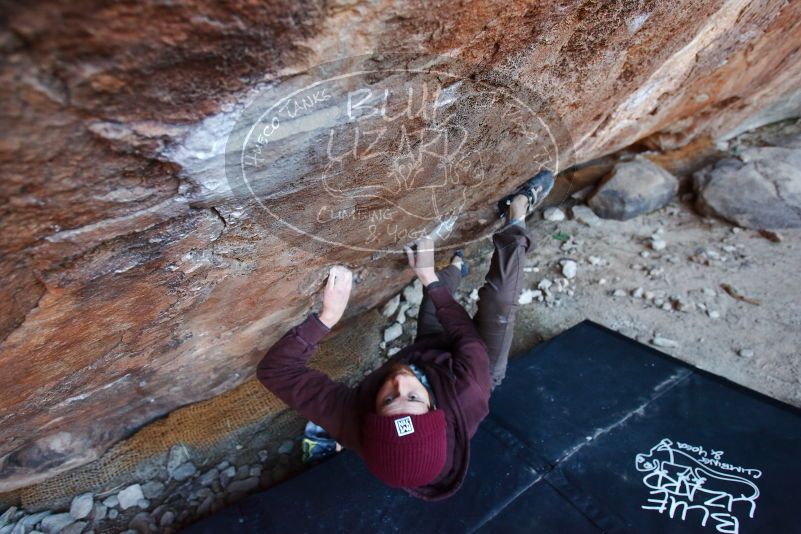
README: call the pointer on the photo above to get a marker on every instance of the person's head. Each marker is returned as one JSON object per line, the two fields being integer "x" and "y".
{"x": 404, "y": 442}
{"x": 402, "y": 393}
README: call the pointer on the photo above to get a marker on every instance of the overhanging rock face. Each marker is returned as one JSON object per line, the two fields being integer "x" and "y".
{"x": 149, "y": 257}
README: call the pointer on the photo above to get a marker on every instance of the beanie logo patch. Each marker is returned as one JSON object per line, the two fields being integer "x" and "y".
{"x": 404, "y": 426}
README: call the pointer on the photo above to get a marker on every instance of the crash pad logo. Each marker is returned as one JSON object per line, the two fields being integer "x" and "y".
{"x": 404, "y": 426}
{"x": 690, "y": 483}
{"x": 373, "y": 152}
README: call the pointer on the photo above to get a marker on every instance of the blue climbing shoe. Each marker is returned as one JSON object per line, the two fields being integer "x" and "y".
{"x": 465, "y": 269}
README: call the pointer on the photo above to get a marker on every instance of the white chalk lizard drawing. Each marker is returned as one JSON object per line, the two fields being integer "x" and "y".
{"x": 689, "y": 481}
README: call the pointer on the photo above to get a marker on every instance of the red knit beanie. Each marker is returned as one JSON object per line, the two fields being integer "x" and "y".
{"x": 405, "y": 451}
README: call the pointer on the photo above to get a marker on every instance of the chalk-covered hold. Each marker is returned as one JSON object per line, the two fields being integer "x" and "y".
{"x": 633, "y": 188}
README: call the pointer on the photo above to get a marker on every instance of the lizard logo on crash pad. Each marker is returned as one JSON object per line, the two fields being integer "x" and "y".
{"x": 690, "y": 483}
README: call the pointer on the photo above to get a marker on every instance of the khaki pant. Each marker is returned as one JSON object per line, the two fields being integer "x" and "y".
{"x": 497, "y": 304}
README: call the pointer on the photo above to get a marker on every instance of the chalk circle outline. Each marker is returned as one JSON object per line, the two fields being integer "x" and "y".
{"x": 556, "y": 167}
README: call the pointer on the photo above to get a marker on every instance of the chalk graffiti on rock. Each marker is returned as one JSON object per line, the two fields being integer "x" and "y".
{"x": 382, "y": 155}
{"x": 692, "y": 483}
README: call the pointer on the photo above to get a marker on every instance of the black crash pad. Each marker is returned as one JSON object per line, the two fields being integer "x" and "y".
{"x": 590, "y": 432}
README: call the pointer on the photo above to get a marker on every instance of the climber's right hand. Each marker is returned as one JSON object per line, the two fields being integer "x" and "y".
{"x": 336, "y": 295}
{"x": 421, "y": 260}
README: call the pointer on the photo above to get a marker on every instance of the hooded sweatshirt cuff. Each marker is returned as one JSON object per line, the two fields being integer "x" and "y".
{"x": 438, "y": 293}
{"x": 312, "y": 330}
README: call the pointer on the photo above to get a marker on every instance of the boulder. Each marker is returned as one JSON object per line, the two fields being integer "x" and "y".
{"x": 633, "y": 188}
{"x": 759, "y": 189}
{"x": 129, "y": 256}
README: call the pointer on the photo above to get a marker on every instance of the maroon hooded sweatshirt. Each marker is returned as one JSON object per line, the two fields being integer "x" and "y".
{"x": 456, "y": 364}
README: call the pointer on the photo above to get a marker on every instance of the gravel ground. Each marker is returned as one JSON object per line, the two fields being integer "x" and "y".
{"x": 671, "y": 297}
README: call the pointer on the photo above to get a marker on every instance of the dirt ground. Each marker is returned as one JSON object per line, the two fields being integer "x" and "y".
{"x": 675, "y": 293}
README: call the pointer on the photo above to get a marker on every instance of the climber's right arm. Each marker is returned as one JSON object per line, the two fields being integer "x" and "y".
{"x": 284, "y": 371}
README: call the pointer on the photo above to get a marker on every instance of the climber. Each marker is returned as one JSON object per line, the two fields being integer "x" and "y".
{"x": 411, "y": 420}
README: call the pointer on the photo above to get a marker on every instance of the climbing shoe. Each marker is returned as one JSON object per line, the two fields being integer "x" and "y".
{"x": 316, "y": 444}
{"x": 536, "y": 189}
{"x": 465, "y": 269}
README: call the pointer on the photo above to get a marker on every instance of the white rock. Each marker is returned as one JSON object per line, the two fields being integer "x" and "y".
{"x": 81, "y": 505}
{"x": 130, "y": 496}
{"x": 658, "y": 244}
{"x": 56, "y": 523}
{"x": 645, "y": 254}
{"x": 648, "y": 295}
{"x": 526, "y": 297}
{"x": 602, "y": 282}
{"x": 413, "y": 293}
{"x": 660, "y": 341}
{"x": 391, "y": 306}
{"x": 183, "y": 472}
{"x": 178, "y": 456}
{"x": 544, "y": 284}
{"x": 230, "y": 472}
{"x": 394, "y": 331}
{"x": 595, "y": 260}
{"x": 569, "y": 268}
{"x": 585, "y": 215}
{"x": 152, "y": 489}
{"x": 746, "y": 353}
{"x": 618, "y": 293}
{"x": 402, "y": 309}
{"x": 713, "y": 314}
{"x": 207, "y": 478}
{"x": 111, "y": 502}
{"x": 98, "y": 511}
{"x": 553, "y": 214}
{"x": 30, "y": 521}
{"x": 637, "y": 293}
{"x": 392, "y": 351}
{"x": 473, "y": 295}
{"x": 8, "y": 517}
